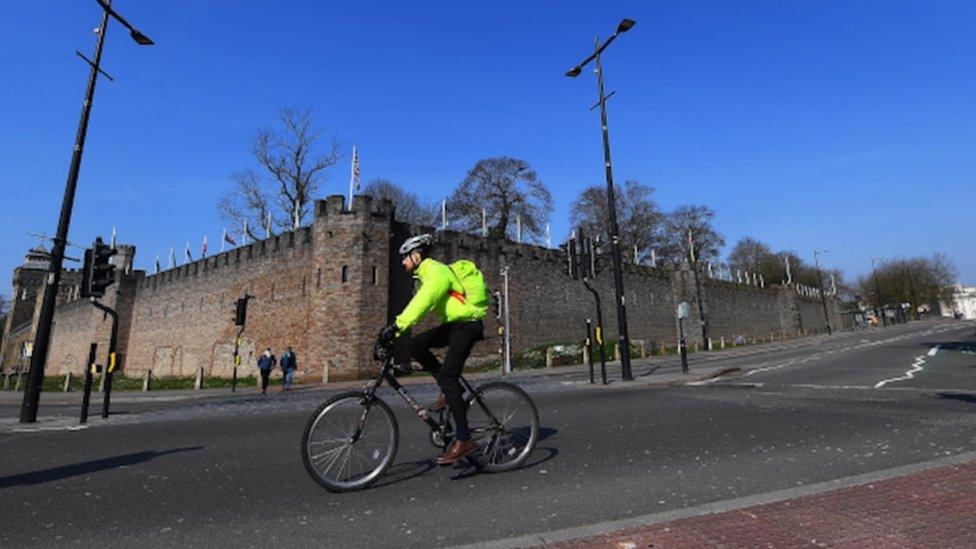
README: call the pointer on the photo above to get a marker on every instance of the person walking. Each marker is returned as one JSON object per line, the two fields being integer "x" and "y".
{"x": 288, "y": 365}
{"x": 266, "y": 362}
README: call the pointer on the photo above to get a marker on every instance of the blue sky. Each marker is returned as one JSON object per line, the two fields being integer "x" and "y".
{"x": 844, "y": 125}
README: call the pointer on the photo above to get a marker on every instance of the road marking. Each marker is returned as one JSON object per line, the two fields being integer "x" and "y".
{"x": 39, "y": 429}
{"x": 914, "y": 369}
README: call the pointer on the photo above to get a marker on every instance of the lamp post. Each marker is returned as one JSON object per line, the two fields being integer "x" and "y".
{"x": 823, "y": 294}
{"x": 877, "y": 289}
{"x": 32, "y": 393}
{"x": 618, "y": 279}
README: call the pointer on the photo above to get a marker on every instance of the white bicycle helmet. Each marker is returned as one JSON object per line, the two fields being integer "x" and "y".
{"x": 420, "y": 242}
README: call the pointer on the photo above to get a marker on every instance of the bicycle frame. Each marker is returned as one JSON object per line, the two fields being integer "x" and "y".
{"x": 385, "y": 373}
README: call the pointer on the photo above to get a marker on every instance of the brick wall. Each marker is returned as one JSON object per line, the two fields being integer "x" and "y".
{"x": 326, "y": 290}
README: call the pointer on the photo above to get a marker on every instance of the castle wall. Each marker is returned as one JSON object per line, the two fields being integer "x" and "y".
{"x": 328, "y": 288}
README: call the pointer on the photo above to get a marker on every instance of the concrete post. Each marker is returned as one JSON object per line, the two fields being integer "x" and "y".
{"x": 696, "y": 346}
{"x": 548, "y": 357}
{"x": 198, "y": 384}
{"x": 147, "y": 381}
{"x": 643, "y": 349}
{"x": 67, "y": 381}
{"x": 101, "y": 381}
{"x": 709, "y": 345}
{"x": 6, "y": 381}
{"x": 325, "y": 372}
{"x": 616, "y": 352}
{"x": 586, "y": 355}
{"x": 721, "y": 342}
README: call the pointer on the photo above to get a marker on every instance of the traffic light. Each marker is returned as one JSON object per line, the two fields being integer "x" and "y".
{"x": 240, "y": 313}
{"x": 496, "y": 304}
{"x": 98, "y": 272}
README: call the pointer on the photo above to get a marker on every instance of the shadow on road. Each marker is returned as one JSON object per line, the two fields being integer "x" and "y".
{"x": 86, "y": 467}
{"x": 404, "y": 471}
{"x": 963, "y": 397}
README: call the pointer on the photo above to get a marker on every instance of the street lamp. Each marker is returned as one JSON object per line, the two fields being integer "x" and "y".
{"x": 823, "y": 294}
{"x": 32, "y": 393}
{"x": 618, "y": 279}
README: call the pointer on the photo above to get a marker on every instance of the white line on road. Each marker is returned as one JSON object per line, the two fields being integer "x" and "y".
{"x": 915, "y": 368}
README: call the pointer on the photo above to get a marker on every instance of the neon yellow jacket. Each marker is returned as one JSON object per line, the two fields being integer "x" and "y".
{"x": 437, "y": 283}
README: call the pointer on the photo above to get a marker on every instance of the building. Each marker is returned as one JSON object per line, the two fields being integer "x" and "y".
{"x": 963, "y": 302}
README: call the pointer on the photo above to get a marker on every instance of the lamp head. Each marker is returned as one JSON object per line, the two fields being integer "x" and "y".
{"x": 625, "y": 25}
{"x": 574, "y": 72}
{"x": 140, "y": 38}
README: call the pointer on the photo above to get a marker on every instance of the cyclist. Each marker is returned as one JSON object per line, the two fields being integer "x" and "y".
{"x": 440, "y": 291}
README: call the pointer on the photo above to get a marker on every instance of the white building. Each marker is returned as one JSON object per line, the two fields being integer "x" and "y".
{"x": 963, "y": 302}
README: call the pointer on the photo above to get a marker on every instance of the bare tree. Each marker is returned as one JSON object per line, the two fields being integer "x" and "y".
{"x": 694, "y": 223}
{"x": 409, "y": 207}
{"x": 291, "y": 168}
{"x": 507, "y": 189}
{"x": 916, "y": 281}
{"x": 641, "y": 222}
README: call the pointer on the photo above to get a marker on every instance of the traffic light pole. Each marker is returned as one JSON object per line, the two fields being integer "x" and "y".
{"x": 237, "y": 359}
{"x": 598, "y": 331}
{"x": 32, "y": 393}
{"x": 86, "y": 392}
{"x": 112, "y": 361}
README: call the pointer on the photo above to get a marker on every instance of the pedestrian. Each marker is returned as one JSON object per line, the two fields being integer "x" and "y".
{"x": 266, "y": 362}
{"x": 288, "y": 365}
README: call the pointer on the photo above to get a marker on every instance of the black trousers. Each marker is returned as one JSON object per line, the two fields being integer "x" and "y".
{"x": 459, "y": 338}
{"x": 265, "y": 374}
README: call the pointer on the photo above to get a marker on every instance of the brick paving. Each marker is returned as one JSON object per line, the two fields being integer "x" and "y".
{"x": 934, "y": 508}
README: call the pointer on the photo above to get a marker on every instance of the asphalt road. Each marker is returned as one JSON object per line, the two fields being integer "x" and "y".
{"x": 227, "y": 471}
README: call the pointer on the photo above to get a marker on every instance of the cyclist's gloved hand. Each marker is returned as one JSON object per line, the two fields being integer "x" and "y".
{"x": 387, "y": 334}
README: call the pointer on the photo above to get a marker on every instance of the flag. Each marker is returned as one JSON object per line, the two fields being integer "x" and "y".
{"x": 444, "y": 215}
{"x": 789, "y": 275}
{"x": 172, "y": 258}
{"x": 297, "y": 215}
{"x": 691, "y": 247}
{"x": 157, "y": 263}
{"x": 228, "y": 239}
{"x": 267, "y": 227}
{"x": 186, "y": 252}
{"x": 113, "y": 237}
{"x": 518, "y": 228}
{"x": 203, "y": 249}
{"x": 353, "y": 175}
{"x": 244, "y": 234}
{"x": 653, "y": 258}
{"x": 484, "y": 222}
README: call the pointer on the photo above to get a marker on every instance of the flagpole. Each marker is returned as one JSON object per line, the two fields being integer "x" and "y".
{"x": 444, "y": 215}
{"x": 484, "y": 222}
{"x": 548, "y": 236}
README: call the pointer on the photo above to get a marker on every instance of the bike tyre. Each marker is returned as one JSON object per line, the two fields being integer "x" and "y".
{"x": 477, "y": 460}
{"x": 335, "y": 486}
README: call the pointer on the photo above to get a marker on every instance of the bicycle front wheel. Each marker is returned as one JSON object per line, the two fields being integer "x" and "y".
{"x": 504, "y": 423}
{"x": 348, "y": 443}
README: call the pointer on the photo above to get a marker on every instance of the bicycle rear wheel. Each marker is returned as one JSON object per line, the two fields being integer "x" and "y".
{"x": 347, "y": 446}
{"x": 504, "y": 423}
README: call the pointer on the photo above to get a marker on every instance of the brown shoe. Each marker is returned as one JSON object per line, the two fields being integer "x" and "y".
{"x": 439, "y": 405}
{"x": 457, "y": 451}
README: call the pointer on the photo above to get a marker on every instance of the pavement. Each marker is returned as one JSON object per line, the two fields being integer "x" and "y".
{"x": 790, "y": 426}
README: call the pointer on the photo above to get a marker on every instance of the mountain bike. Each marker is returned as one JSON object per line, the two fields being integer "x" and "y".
{"x": 352, "y": 438}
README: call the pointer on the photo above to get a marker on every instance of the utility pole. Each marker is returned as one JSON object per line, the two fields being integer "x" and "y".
{"x": 614, "y": 230}
{"x": 823, "y": 294}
